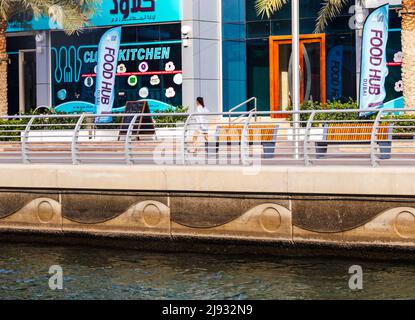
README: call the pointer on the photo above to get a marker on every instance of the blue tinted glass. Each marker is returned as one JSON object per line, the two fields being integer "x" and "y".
{"x": 232, "y": 31}
{"x": 233, "y": 11}
{"x": 234, "y": 73}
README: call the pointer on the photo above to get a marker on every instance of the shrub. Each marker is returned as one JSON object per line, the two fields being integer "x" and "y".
{"x": 320, "y": 118}
{"x": 404, "y": 125}
{"x": 167, "y": 121}
{"x": 10, "y": 129}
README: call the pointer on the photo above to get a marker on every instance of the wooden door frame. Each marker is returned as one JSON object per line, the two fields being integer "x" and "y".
{"x": 274, "y": 76}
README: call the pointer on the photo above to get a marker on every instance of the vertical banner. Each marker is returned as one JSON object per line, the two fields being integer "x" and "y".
{"x": 374, "y": 69}
{"x": 335, "y": 72}
{"x": 108, "y": 51}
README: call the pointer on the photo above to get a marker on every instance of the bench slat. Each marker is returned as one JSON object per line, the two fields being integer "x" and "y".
{"x": 256, "y": 132}
{"x": 356, "y": 131}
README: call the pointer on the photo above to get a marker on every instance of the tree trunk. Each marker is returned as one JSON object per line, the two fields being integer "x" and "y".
{"x": 408, "y": 49}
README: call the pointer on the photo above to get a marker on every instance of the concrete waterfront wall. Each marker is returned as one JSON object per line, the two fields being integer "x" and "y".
{"x": 353, "y": 207}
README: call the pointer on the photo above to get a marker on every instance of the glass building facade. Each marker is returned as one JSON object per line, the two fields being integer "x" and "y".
{"x": 229, "y": 55}
{"x": 257, "y": 52}
{"x": 48, "y": 67}
{"x": 145, "y": 51}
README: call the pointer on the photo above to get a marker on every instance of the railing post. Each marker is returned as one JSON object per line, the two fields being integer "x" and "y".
{"x": 245, "y": 141}
{"x": 25, "y": 155}
{"x": 184, "y": 149}
{"x": 307, "y": 138}
{"x": 373, "y": 142}
{"x": 127, "y": 147}
{"x": 296, "y": 134}
{"x": 74, "y": 147}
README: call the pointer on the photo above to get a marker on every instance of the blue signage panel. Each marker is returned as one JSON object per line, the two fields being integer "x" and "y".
{"x": 108, "y": 13}
{"x": 335, "y": 60}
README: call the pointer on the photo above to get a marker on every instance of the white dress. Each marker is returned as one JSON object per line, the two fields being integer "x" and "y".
{"x": 202, "y": 120}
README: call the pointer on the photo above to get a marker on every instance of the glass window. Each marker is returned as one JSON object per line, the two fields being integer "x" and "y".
{"x": 393, "y": 88}
{"x": 341, "y": 39}
{"x": 234, "y": 73}
{"x": 14, "y": 44}
{"x": 258, "y": 72}
{"x": 341, "y": 67}
{"x": 258, "y": 29}
{"x": 145, "y": 70}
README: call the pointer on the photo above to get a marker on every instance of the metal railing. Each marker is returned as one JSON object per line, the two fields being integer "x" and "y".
{"x": 246, "y": 103}
{"x": 325, "y": 137}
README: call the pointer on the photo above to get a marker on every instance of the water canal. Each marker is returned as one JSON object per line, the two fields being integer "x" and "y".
{"x": 96, "y": 273}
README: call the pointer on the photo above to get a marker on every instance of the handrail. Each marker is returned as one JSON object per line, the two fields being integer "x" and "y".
{"x": 128, "y": 140}
{"x": 373, "y": 158}
{"x": 74, "y": 149}
{"x": 246, "y": 102}
{"x": 386, "y": 137}
{"x": 25, "y": 157}
{"x": 243, "y": 104}
{"x": 307, "y": 138}
{"x": 245, "y": 140}
{"x": 183, "y": 142}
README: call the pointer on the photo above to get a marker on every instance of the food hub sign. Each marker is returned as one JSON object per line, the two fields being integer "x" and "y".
{"x": 108, "y": 50}
{"x": 112, "y": 13}
{"x": 376, "y": 61}
{"x": 374, "y": 69}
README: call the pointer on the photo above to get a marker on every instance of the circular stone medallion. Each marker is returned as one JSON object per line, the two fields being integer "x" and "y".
{"x": 270, "y": 220}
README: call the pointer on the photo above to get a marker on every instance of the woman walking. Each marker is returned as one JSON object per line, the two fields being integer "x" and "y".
{"x": 202, "y": 124}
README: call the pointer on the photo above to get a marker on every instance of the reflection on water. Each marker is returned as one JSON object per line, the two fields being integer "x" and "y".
{"x": 91, "y": 273}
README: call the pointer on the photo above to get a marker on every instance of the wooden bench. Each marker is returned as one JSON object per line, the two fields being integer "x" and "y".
{"x": 231, "y": 134}
{"x": 356, "y": 133}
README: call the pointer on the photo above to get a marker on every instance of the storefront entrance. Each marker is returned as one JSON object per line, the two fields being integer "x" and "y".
{"x": 27, "y": 80}
{"x": 21, "y": 73}
{"x": 312, "y": 68}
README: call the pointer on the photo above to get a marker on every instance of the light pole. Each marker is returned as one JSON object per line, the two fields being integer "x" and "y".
{"x": 295, "y": 26}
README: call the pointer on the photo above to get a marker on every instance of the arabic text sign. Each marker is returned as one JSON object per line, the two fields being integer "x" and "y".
{"x": 110, "y": 13}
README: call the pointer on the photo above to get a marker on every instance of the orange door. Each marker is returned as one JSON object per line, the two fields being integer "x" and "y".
{"x": 312, "y": 66}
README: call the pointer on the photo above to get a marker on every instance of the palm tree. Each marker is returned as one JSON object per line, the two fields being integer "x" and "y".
{"x": 74, "y": 15}
{"x": 332, "y": 8}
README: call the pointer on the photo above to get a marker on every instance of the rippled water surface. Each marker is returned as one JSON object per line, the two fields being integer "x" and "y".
{"x": 91, "y": 273}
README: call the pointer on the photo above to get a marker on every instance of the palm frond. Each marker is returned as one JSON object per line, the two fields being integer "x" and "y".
{"x": 75, "y": 14}
{"x": 329, "y": 10}
{"x": 268, "y": 7}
